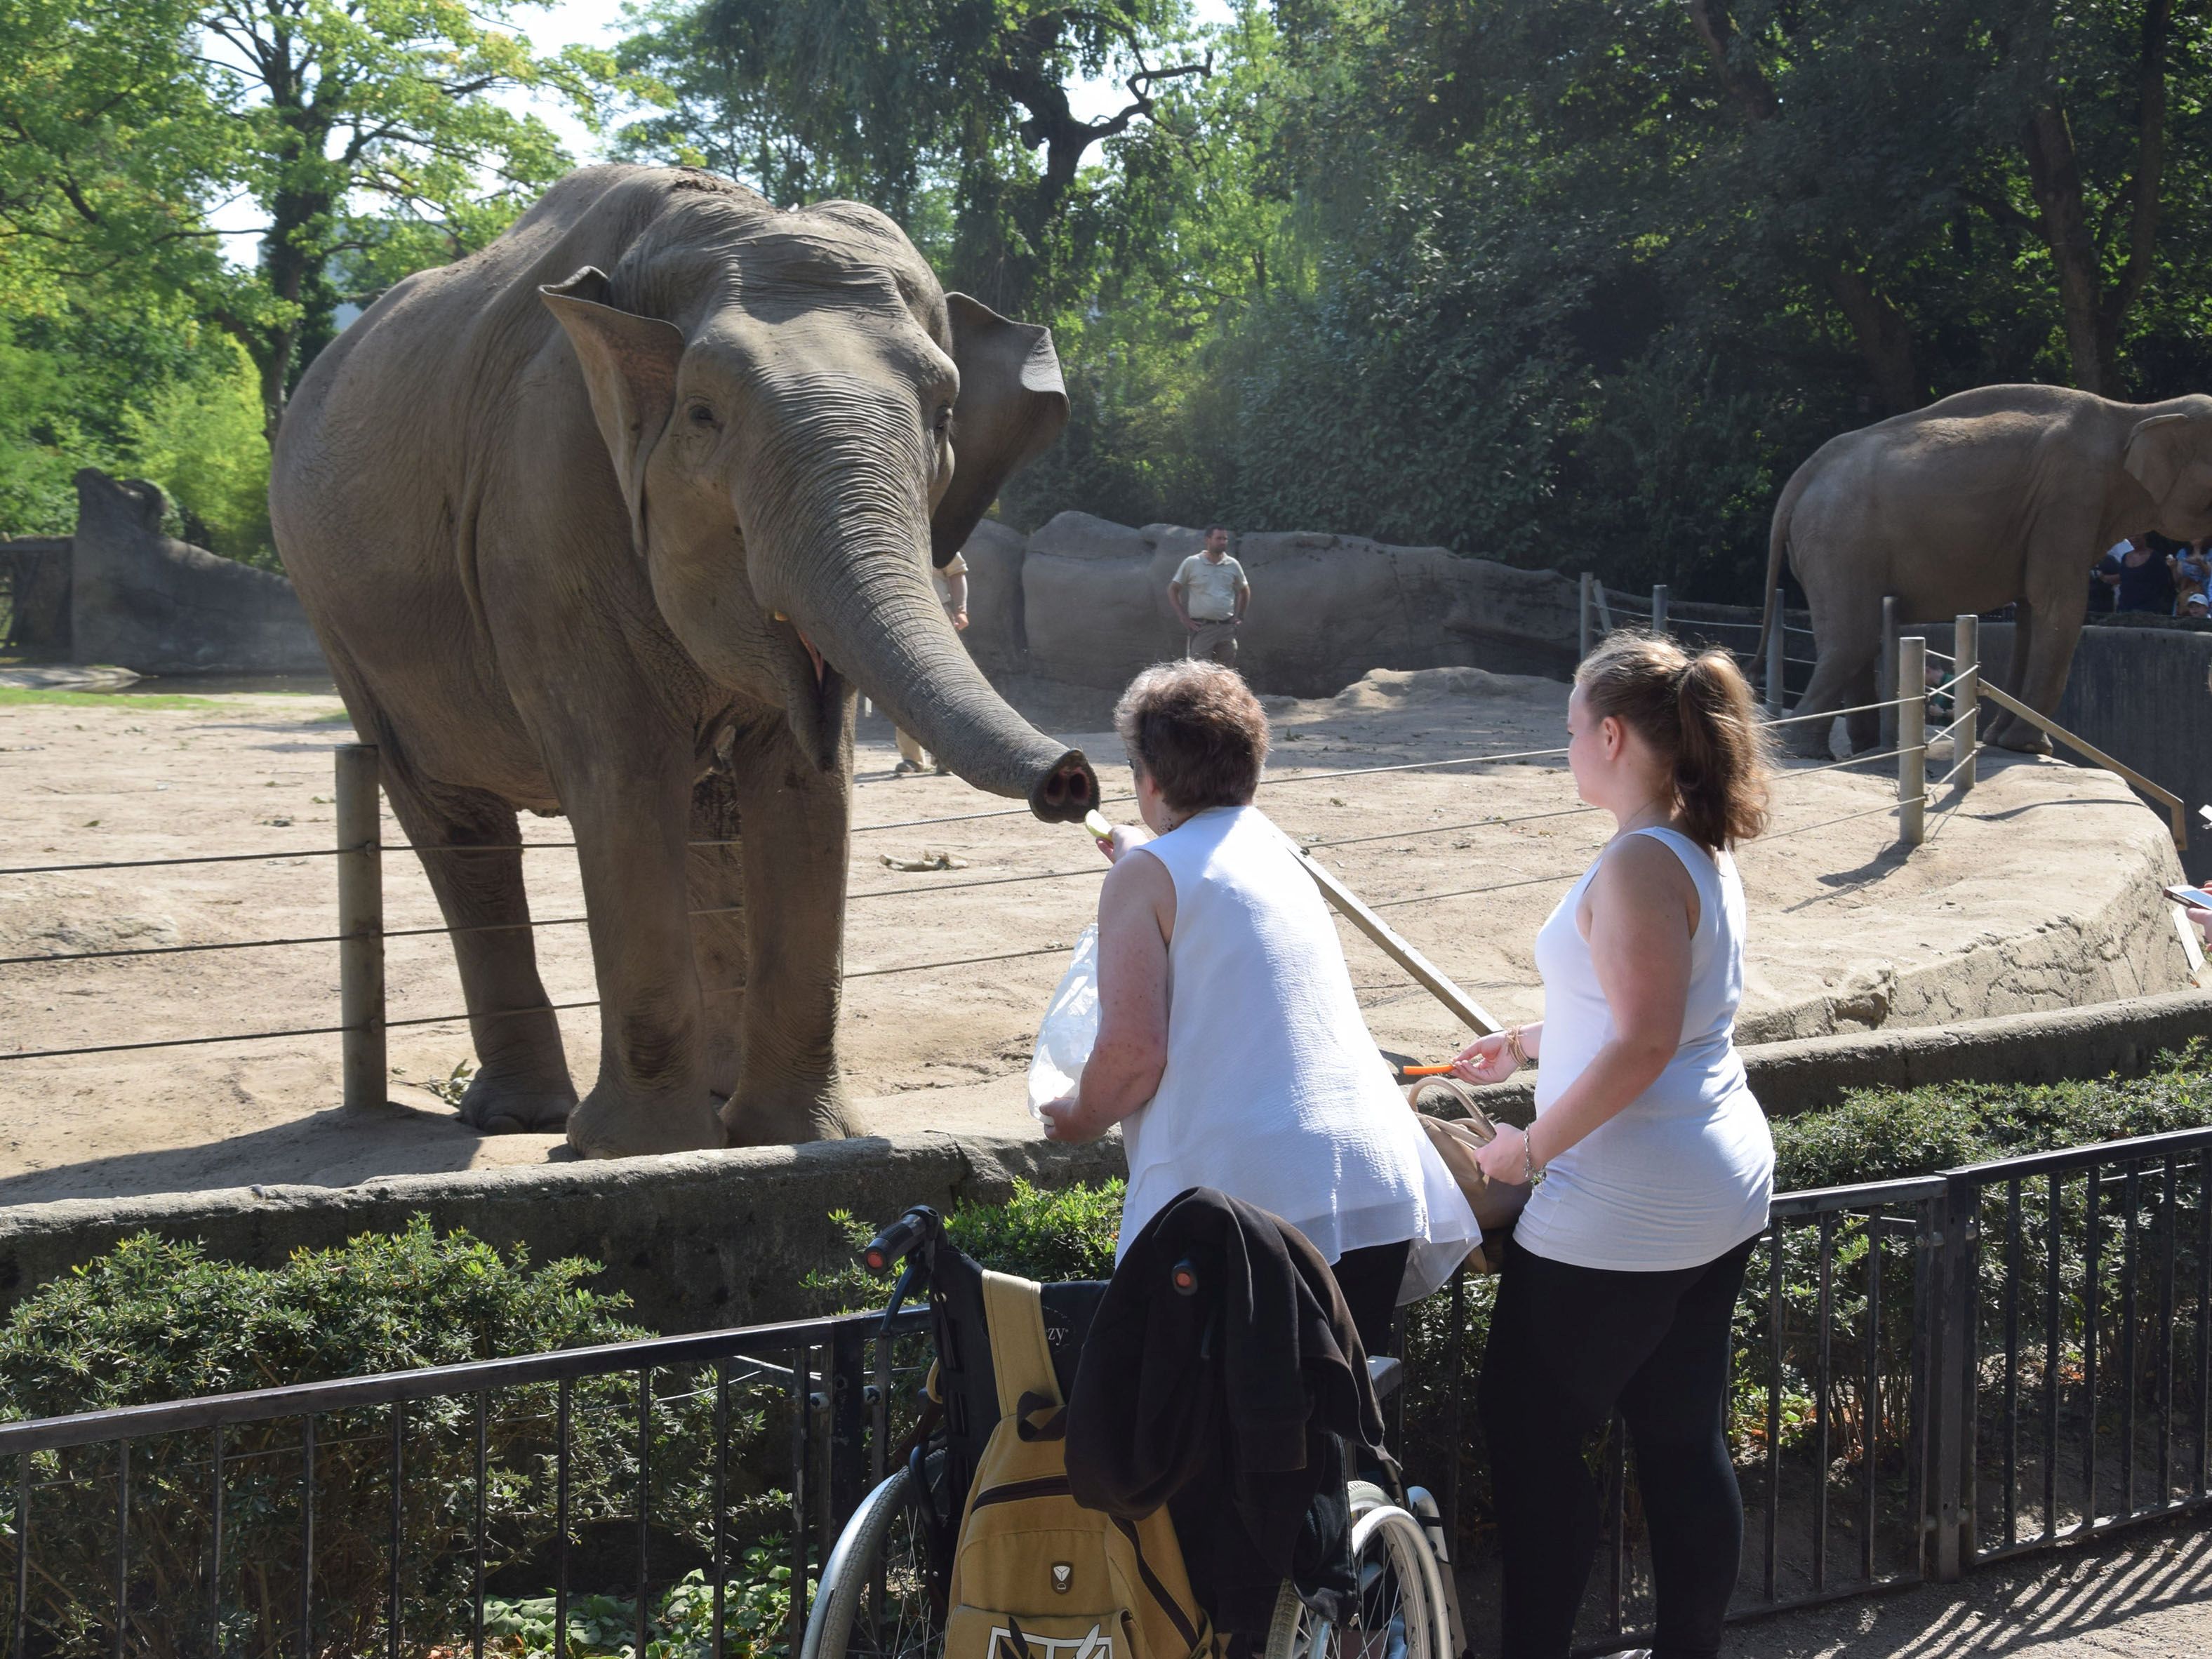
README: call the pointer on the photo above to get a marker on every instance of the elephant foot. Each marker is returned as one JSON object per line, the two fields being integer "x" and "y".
{"x": 789, "y": 1114}
{"x": 498, "y": 1103}
{"x": 611, "y": 1125}
{"x": 1807, "y": 741}
{"x": 2022, "y": 739}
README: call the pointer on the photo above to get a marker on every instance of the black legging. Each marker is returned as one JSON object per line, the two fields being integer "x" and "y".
{"x": 1567, "y": 1345}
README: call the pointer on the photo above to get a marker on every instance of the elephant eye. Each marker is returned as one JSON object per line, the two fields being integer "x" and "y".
{"x": 703, "y": 416}
{"x": 944, "y": 419}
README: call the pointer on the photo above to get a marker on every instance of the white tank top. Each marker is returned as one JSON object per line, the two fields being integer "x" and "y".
{"x": 1273, "y": 1091}
{"x": 1684, "y": 1173}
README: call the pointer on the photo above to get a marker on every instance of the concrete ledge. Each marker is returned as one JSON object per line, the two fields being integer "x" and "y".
{"x": 2062, "y": 1045}
{"x": 698, "y": 1240}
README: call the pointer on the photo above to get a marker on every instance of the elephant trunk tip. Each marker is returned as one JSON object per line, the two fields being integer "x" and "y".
{"x": 1068, "y": 789}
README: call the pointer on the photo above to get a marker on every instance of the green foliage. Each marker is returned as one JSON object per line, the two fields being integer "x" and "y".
{"x": 200, "y": 439}
{"x": 755, "y": 1606}
{"x": 1040, "y": 1233}
{"x": 127, "y": 702}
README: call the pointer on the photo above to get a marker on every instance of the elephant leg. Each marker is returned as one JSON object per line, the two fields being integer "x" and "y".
{"x": 1839, "y": 663}
{"x": 797, "y": 828}
{"x": 522, "y": 1081}
{"x": 630, "y": 803}
{"x": 716, "y": 869}
{"x": 2032, "y": 631}
{"x": 1863, "y": 729}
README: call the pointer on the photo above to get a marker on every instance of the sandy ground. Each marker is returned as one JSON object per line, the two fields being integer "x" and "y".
{"x": 2039, "y": 892}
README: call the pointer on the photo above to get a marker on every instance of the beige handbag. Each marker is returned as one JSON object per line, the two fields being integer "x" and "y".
{"x": 1457, "y": 1139}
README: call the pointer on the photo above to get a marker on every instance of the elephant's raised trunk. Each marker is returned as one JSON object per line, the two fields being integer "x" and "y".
{"x": 856, "y": 595}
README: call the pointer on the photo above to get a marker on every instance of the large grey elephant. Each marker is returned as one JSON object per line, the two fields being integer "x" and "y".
{"x": 2002, "y": 495}
{"x": 614, "y": 519}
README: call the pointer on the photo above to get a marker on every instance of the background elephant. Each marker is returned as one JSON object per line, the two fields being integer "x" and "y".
{"x": 614, "y": 519}
{"x": 2004, "y": 495}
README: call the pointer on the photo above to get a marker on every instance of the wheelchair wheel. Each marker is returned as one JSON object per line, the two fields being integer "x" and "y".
{"x": 874, "y": 1601}
{"x": 1399, "y": 1611}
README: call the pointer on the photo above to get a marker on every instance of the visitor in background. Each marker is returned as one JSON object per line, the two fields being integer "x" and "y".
{"x": 1209, "y": 592}
{"x": 951, "y": 585}
{"x": 2192, "y": 565}
{"x": 1653, "y": 1160}
{"x": 2138, "y": 576}
{"x": 1231, "y": 1049}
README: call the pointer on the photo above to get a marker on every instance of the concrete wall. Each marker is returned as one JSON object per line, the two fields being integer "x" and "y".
{"x": 152, "y": 603}
{"x": 1084, "y": 601}
{"x": 701, "y": 1240}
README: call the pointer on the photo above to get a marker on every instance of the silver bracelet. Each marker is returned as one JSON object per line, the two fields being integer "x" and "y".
{"x": 1530, "y": 1174}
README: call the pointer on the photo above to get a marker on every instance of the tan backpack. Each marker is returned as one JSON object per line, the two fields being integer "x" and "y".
{"x": 1036, "y": 1574}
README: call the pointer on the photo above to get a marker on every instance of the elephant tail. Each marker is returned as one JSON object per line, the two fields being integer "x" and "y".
{"x": 1777, "y": 544}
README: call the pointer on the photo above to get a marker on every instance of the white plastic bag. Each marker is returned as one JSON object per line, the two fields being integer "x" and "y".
{"x": 1070, "y": 1028}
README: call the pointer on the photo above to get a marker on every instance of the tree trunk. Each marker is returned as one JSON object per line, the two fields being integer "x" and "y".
{"x": 2055, "y": 174}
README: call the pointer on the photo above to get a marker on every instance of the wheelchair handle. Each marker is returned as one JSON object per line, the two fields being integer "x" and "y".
{"x": 901, "y": 1237}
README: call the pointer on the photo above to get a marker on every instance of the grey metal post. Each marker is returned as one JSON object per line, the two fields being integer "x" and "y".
{"x": 1950, "y": 1354}
{"x": 1912, "y": 740}
{"x": 1885, "y": 680}
{"x": 1659, "y": 607}
{"x": 360, "y": 927}
{"x": 1966, "y": 697}
{"x": 1777, "y": 669}
{"x": 1582, "y": 646}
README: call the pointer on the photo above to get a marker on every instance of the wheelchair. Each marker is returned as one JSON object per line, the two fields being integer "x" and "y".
{"x": 883, "y": 1591}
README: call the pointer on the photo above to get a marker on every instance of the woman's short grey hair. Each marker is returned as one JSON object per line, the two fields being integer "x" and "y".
{"x": 1197, "y": 731}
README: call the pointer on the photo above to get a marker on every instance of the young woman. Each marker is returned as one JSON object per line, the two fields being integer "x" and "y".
{"x": 1652, "y": 1160}
{"x": 1230, "y": 1048}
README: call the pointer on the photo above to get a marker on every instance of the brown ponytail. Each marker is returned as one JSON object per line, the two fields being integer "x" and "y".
{"x": 1698, "y": 714}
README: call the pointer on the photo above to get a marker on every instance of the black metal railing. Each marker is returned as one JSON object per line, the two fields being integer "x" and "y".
{"x": 1928, "y": 1374}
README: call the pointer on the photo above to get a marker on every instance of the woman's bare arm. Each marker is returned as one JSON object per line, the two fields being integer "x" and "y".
{"x": 1136, "y": 918}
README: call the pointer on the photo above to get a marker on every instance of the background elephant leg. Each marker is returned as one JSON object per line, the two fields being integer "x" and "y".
{"x": 2043, "y": 660}
{"x": 1835, "y": 670}
{"x": 716, "y": 881}
{"x": 522, "y": 1079}
{"x": 631, "y": 804}
{"x": 797, "y": 821}
{"x": 1862, "y": 730}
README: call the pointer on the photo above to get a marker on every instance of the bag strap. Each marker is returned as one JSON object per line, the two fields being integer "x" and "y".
{"x": 1021, "y": 1357}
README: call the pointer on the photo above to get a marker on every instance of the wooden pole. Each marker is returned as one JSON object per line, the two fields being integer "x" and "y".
{"x": 360, "y": 927}
{"x": 1582, "y": 637}
{"x": 1886, "y": 681}
{"x": 1424, "y": 973}
{"x": 1912, "y": 740}
{"x": 1966, "y": 698}
{"x": 1604, "y": 610}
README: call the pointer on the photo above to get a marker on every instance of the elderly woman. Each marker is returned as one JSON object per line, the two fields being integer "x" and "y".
{"x": 1231, "y": 1049}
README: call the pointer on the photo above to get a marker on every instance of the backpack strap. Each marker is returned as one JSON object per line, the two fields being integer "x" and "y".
{"x": 1021, "y": 1358}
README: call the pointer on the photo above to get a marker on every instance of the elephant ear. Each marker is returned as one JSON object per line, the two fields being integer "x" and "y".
{"x": 630, "y": 365}
{"x": 2158, "y": 449}
{"x": 1013, "y": 404}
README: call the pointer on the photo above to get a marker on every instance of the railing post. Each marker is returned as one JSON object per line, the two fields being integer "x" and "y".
{"x": 1965, "y": 698}
{"x": 1912, "y": 740}
{"x": 1777, "y": 643}
{"x": 360, "y": 927}
{"x": 1659, "y": 607}
{"x": 1952, "y": 1395}
{"x": 1885, "y": 677}
{"x": 1583, "y": 634}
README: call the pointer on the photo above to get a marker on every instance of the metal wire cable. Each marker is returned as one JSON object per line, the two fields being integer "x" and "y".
{"x": 1439, "y": 829}
{"x": 1805, "y": 828}
{"x": 148, "y": 863}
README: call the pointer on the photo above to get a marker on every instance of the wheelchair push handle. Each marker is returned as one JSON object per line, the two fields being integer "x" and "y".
{"x": 901, "y": 1238}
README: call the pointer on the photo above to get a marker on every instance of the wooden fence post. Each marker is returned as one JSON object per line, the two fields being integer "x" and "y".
{"x": 1912, "y": 740}
{"x": 1583, "y": 637}
{"x": 1965, "y": 698}
{"x": 1778, "y": 651}
{"x": 360, "y": 927}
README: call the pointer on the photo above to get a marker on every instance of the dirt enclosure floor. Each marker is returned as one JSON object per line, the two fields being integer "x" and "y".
{"x": 2040, "y": 890}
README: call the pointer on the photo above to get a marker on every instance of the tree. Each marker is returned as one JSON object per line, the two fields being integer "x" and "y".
{"x": 350, "y": 124}
{"x": 896, "y": 101}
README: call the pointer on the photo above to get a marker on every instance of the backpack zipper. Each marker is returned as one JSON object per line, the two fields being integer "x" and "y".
{"x": 1050, "y": 1485}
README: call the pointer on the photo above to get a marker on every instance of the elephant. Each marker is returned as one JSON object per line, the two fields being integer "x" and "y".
{"x": 2001, "y": 495}
{"x": 614, "y": 519}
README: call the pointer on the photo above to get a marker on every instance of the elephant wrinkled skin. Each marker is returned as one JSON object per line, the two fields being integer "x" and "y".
{"x": 2006, "y": 494}
{"x": 616, "y": 519}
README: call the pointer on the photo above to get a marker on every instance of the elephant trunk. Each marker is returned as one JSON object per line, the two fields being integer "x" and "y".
{"x": 854, "y": 589}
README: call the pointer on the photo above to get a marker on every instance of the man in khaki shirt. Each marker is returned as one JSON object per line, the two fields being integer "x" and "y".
{"x": 951, "y": 585}
{"x": 1209, "y": 592}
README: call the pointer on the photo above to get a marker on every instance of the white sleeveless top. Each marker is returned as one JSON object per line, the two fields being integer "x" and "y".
{"x": 1684, "y": 1173}
{"x": 1273, "y": 1091}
